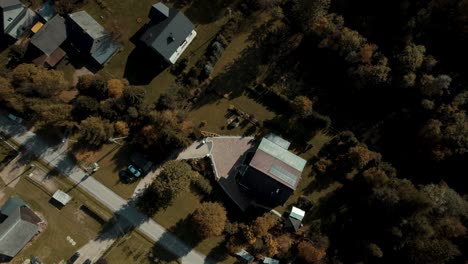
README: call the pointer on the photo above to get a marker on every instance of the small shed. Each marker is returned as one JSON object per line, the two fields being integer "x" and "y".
{"x": 294, "y": 220}
{"x": 61, "y": 197}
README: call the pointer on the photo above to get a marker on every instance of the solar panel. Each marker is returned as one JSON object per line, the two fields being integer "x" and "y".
{"x": 283, "y": 174}
{"x": 282, "y": 154}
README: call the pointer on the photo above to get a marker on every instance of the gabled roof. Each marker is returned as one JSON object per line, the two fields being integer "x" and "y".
{"x": 18, "y": 228}
{"x": 103, "y": 50}
{"x": 88, "y": 24}
{"x": 278, "y": 163}
{"x": 278, "y": 140}
{"x": 168, "y": 35}
{"x": 297, "y": 213}
{"x": 10, "y": 205}
{"x": 51, "y": 35}
{"x": 18, "y": 20}
{"x": 9, "y": 3}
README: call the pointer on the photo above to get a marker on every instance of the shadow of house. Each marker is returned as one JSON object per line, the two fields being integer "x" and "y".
{"x": 18, "y": 225}
{"x": 143, "y": 65}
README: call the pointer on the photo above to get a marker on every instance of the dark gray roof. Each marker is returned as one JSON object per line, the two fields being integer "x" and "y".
{"x": 10, "y": 205}
{"x": 17, "y": 230}
{"x": 8, "y": 3}
{"x": 166, "y": 36}
{"x": 51, "y": 35}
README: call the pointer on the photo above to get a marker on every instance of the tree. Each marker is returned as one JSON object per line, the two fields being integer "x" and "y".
{"x": 85, "y": 106}
{"x": 47, "y": 83}
{"x": 93, "y": 85}
{"x": 134, "y": 95}
{"x": 50, "y": 113}
{"x": 302, "y": 106}
{"x": 115, "y": 88}
{"x": 174, "y": 178}
{"x": 435, "y": 86}
{"x": 309, "y": 253}
{"x": 209, "y": 219}
{"x": 121, "y": 128}
{"x": 360, "y": 156}
{"x": 263, "y": 224}
{"x": 412, "y": 57}
{"x": 96, "y": 131}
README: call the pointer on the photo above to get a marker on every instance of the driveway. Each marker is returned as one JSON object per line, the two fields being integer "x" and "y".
{"x": 197, "y": 150}
{"x": 56, "y": 157}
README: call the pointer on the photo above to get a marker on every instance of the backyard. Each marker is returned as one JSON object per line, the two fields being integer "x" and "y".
{"x": 52, "y": 245}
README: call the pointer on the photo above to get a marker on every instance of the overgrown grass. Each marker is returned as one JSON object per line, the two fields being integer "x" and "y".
{"x": 216, "y": 114}
{"x": 132, "y": 248}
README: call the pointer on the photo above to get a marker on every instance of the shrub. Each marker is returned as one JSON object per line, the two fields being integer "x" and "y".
{"x": 202, "y": 185}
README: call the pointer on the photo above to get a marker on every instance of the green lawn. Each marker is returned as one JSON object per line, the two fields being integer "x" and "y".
{"x": 215, "y": 113}
{"x": 130, "y": 17}
{"x": 111, "y": 161}
{"x": 52, "y": 245}
{"x": 132, "y": 248}
{"x": 176, "y": 219}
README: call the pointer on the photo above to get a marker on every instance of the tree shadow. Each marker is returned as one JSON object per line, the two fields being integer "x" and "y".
{"x": 206, "y": 11}
{"x": 218, "y": 253}
{"x": 123, "y": 221}
{"x": 235, "y": 77}
{"x": 321, "y": 182}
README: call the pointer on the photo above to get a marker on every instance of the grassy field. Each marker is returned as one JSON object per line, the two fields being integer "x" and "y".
{"x": 52, "y": 245}
{"x": 129, "y": 17}
{"x": 216, "y": 114}
{"x": 132, "y": 248}
{"x": 176, "y": 219}
{"x": 111, "y": 161}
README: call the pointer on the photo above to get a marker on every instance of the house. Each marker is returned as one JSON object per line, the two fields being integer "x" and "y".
{"x": 15, "y": 18}
{"x": 169, "y": 33}
{"x": 89, "y": 37}
{"x": 18, "y": 225}
{"x": 48, "y": 40}
{"x": 294, "y": 221}
{"x": 273, "y": 173}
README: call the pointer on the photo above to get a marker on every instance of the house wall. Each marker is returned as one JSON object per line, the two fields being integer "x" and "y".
{"x": 80, "y": 39}
{"x": 265, "y": 188}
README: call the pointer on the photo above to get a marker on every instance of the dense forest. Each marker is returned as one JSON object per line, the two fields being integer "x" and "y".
{"x": 390, "y": 72}
{"x": 388, "y": 77}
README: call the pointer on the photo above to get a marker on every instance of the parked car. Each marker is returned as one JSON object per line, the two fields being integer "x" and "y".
{"x": 15, "y": 118}
{"x": 88, "y": 261}
{"x": 73, "y": 258}
{"x": 126, "y": 177}
{"x": 134, "y": 170}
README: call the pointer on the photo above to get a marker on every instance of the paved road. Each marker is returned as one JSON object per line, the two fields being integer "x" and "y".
{"x": 59, "y": 159}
